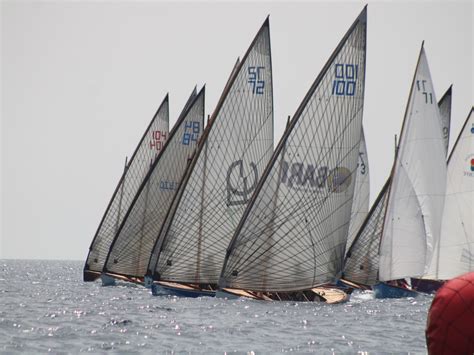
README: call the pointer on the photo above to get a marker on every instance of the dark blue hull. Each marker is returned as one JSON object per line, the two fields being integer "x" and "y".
{"x": 425, "y": 285}
{"x": 383, "y": 290}
{"x": 161, "y": 290}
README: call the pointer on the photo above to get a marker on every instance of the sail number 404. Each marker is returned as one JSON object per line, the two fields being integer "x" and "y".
{"x": 346, "y": 78}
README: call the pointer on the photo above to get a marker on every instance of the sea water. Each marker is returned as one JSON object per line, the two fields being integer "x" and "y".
{"x": 46, "y": 307}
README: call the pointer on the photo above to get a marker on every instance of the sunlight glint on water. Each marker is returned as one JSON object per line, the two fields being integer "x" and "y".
{"x": 45, "y": 306}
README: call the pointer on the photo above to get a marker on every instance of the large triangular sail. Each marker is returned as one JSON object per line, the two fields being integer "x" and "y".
{"x": 455, "y": 251}
{"x": 293, "y": 233}
{"x": 147, "y": 150}
{"x": 237, "y": 145}
{"x": 360, "y": 205}
{"x": 412, "y": 223}
{"x": 132, "y": 245}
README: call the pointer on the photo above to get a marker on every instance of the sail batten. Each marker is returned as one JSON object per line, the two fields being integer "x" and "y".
{"x": 130, "y": 251}
{"x": 293, "y": 233}
{"x": 148, "y": 149}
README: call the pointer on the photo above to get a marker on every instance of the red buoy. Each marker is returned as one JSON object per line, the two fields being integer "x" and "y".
{"x": 450, "y": 326}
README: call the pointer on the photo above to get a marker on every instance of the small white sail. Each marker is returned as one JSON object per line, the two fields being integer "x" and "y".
{"x": 415, "y": 204}
{"x": 455, "y": 251}
{"x": 360, "y": 206}
{"x": 147, "y": 150}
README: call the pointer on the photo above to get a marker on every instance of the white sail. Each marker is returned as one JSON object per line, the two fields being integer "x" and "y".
{"x": 294, "y": 231}
{"x": 237, "y": 145}
{"x": 132, "y": 245}
{"x": 362, "y": 257}
{"x": 412, "y": 223}
{"x": 147, "y": 150}
{"x": 360, "y": 206}
{"x": 455, "y": 251}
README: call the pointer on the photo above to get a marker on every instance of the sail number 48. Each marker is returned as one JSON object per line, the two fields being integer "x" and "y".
{"x": 191, "y": 132}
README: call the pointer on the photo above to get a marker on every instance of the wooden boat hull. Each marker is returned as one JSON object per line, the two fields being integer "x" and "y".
{"x": 329, "y": 295}
{"x": 346, "y": 283}
{"x": 426, "y": 286}
{"x": 181, "y": 290}
{"x": 383, "y": 290}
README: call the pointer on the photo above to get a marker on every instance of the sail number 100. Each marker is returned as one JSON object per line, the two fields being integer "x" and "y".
{"x": 346, "y": 78}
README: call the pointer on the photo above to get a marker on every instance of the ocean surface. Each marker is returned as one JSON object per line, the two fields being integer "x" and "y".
{"x": 45, "y": 306}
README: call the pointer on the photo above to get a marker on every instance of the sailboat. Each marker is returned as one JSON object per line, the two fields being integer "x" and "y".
{"x": 412, "y": 205}
{"x": 454, "y": 252}
{"x": 427, "y": 284}
{"x": 292, "y": 236}
{"x": 132, "y": 245}
{"x": 362, "y": 258}
{"x": 236, "y": 147}
{"x": 148, "y": 149}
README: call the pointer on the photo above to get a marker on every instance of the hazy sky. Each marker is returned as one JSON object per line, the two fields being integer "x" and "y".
{"x": 81, "y": 80}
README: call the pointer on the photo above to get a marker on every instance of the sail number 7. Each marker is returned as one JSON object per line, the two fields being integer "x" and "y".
{"x": 346, "y": 79}
{"x": 420, "y": 85}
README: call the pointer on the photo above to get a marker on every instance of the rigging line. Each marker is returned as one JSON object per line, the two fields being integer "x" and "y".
{"x": 284, "y": 243}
